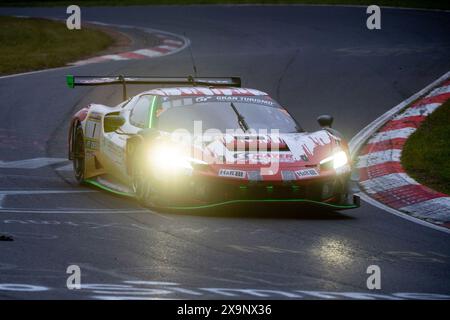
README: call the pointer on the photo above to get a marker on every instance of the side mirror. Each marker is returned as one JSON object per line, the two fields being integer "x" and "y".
{"x": 325, "y": 121}
{"x": 113, "y": 122}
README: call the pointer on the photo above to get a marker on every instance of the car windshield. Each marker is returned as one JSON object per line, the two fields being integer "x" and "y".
{"x": 217, "y": 112}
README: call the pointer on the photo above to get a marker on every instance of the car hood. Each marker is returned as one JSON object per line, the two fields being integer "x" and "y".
{"x": 289, "y": 149}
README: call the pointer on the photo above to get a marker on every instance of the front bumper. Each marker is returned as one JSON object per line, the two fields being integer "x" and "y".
{"x": 199, "y": 192}
{"x": 355, "y": 203}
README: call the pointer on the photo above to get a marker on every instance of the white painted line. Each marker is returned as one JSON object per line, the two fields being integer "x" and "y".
{"x": 43, "y": 191}
{"x": 423, "y": 110}
{"x": 85, "y": 211}
{"x": 378, "y": 157}
{"x": 176, "y": 42}
{"x": 4, "y": 193}
{"x": 168, "y": 47}
{"x": 391, "y": 134}
{"x": 70, "y": 211}
{"x": 67, "y": 167}
{"x": 387, "y": 182}
{"x": 114, "y": 57}
{"x": 400, "y": 214}
{"x": 33, "y": 163}
{"x": 37, "y": 71}
{"x": 438, "y": 91}
{"x": 100, "y": 23}
{"x": 148, "y": 52}
{"x": 427, "y": 208}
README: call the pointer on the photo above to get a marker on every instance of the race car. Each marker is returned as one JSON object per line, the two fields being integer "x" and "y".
{"x": 200, "y": 142}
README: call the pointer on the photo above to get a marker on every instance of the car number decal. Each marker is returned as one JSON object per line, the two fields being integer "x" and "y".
{"x": 92, "y": 132}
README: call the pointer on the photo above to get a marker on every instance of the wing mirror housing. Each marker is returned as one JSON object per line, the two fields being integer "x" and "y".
{"x": 113, "y": 122}
{"x": 325, "y": 121}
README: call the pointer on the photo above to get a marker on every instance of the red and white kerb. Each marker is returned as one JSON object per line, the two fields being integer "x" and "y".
{"x": 381, "y": 173}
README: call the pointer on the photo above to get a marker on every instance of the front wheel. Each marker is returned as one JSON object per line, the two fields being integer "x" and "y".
{"x": 145, "y": 190}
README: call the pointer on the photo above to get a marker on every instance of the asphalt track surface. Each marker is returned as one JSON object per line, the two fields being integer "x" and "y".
{"x": 314, "y": 60}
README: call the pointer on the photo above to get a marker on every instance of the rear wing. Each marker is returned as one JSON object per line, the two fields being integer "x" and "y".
{"x": 73, "y": 81}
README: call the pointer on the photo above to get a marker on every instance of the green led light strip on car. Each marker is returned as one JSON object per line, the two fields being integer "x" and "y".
{"x": 152, "y": 113}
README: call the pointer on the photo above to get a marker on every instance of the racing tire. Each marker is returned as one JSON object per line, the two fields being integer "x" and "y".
{"x": 78, "y": 154}
{"x": 145, "y": 191}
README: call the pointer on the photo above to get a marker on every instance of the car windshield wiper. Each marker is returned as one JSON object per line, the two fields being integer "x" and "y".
{"x": 241, "y": 120}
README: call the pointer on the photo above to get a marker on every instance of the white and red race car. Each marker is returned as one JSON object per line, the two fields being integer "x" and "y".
{"x": 206, "y": 142}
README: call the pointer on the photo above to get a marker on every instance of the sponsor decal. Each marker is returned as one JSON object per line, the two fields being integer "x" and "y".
{"x": 200, "y": 95}
{"x": 91, "y": 144}
{"x": 202, "y": 99}
{"x": 306, "y": 173}
{"x": 262, "y": 100}
{"x": 264, "y": 158}
{"x": 92, "y": 131}
{"x": 232, "y": 173}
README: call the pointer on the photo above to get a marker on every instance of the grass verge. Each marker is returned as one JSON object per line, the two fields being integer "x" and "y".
{"x": 435, "y": 4}
{"x": 426, "y": 154}
{"x": 32, "y": 44}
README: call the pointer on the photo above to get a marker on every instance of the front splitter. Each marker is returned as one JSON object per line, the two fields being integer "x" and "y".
{"x": 120, "y": 191}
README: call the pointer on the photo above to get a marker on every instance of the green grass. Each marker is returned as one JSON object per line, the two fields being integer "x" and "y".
{"x": 32, "y": 44}
{"x": 428, "y": 4}
{"x": 426, "y": 154}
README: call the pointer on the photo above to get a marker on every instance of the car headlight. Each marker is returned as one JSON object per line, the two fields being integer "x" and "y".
{"x": 169, "y": 157}
{"x": 337, "y": 160}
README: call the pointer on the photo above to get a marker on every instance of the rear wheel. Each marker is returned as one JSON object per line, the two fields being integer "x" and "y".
{"x": 78, "y": 154}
